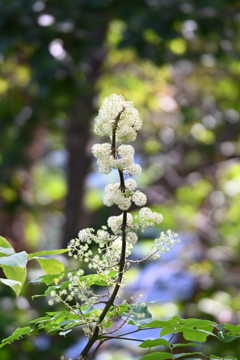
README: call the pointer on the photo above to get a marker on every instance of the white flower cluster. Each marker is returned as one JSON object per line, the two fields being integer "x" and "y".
{"x": 108, "y": 161}
{"x": 146, "y": 217}
{"x": 164, "y": 243}
{"x": 115, "y": 111}
{"x": 114, "y": 195}
{"x": 115, "y": 222}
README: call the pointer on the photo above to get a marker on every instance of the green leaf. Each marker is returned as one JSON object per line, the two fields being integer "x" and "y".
{"x": 38, "y": 320}
{"x": 198, "y": 323}
{"x": 95, "y": 279}
{"x": 17, "y": 334}
{"x": 176, "y": 318}
{"x": 18, "y": 274}
{"x": 49, "y": 265}
{"x": 15, "y": 260}
{"x": 226, "y": 337}
{"x": 186, "y": 354}
{"x": 47, "y": 252}
{"x": 234, "y": 328}
{"x": 166, "y": 330}
{"x": 159, "y": 324}
{"x": 152, "y": 343}
{"x": 186, "y": 344}
{"x": 5, "y": 247}
{"x": 107, "y": 325}
{"x": 10, "y": 283}
{"x": 194, "y": 335}
{"x": 86, "y": 309}
{"x": 50, "y": 278}
{"x": 157, "y": 356}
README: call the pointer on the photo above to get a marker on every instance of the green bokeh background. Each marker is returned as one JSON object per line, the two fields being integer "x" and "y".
{"x": 179, "y": 62}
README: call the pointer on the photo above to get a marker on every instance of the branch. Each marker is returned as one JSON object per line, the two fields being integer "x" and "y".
{"x": 85, "y": 352}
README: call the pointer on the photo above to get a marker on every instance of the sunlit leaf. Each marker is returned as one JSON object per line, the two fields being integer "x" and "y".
{"x": 47, "y": 252}
{"x": 5, "y": 247}
{"x": 49, "y": 265}
{"x": 10, "y": 283}
{"x": 18, "y": 274}
{"x": 15, "y": 260}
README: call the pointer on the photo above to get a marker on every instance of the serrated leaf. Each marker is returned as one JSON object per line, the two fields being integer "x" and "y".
{"x": 15, "y": 260}
{"x": 17, "y": 334}
{"x": 157, "y": 356}
{"x": 49, "y": 265}
{"x": 18, "y": 274}
{"x": 47, "y": 252}
{"x": 155, "y": 342}
{"x": 5, "y": 247}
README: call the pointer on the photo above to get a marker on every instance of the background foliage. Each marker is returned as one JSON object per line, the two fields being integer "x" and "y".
{"x": 179, "y": 62}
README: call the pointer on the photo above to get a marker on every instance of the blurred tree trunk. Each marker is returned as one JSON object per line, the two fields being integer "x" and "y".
{"x": 77, "y": 138}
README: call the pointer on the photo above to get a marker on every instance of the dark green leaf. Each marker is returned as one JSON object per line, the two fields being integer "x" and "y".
{"x": 17, "y": 334}
{"x": 226, "y": 337}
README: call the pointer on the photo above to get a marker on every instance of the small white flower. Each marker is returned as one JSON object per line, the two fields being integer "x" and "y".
{"x": 139, "y": 198}
{"x": 131, "y": 184}
{"x": 134, "y": 170}
{"x": 132, "y": 237}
